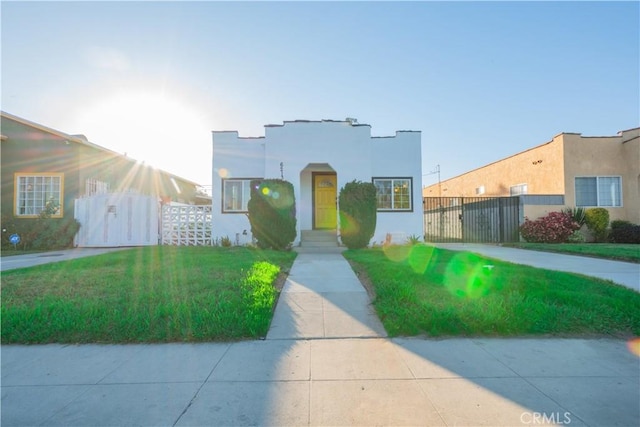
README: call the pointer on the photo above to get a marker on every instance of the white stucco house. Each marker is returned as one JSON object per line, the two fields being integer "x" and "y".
{"x": 319, "y": 158}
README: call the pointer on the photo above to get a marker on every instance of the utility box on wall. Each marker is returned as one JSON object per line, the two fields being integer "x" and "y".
{"x": 118, "y": 219}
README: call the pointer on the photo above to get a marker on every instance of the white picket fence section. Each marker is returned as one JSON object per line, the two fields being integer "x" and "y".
{"x": 186, "y": 225}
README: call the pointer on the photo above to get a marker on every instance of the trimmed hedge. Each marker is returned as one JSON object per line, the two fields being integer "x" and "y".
{"x": 272, "y": 213}
{"x": 358, "y": 212}
{"x": 624, "y": 232}
{"x": 597, "y": 220}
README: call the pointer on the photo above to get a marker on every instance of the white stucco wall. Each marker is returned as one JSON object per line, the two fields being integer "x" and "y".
{"x": 399, "y": 157}
{"x": 303, "y": 147}
{"x": 234, "y": 157}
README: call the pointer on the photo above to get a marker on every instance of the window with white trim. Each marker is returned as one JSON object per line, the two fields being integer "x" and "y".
{"x": 598, "y": 191}
{"x": 394, "y": 194}
{"x": 480, "y": 190}
{"x": 34, "y": 192}
{"x": 516, "y": 190}
{"x": 236, "y": 194}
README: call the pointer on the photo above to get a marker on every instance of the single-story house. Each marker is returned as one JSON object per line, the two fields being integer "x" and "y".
{"x": 585, "y": 171}
{"x": 319, "y": 158}
{"x": 41, "y": 165}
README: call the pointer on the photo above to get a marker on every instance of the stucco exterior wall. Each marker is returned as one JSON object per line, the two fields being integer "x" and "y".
{"x": 399, "y": 156}
{"x": 540, "y": 168}
{"x": 551, "y": 168}
{"x": 606, "y": 156}
{"x": 234, "y": 157}
{"x": 296, "y": 150}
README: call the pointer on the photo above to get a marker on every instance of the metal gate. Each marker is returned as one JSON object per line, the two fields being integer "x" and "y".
{"x": 472, "y": 219}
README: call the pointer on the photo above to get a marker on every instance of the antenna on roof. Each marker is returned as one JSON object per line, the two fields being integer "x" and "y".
{"x": 351, "y": 120}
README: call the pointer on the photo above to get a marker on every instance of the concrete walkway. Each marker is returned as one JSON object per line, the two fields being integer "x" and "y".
{"x": 324, "y": 363}
{"x": 623, "y": 273}
{"x": 323, "y": 298}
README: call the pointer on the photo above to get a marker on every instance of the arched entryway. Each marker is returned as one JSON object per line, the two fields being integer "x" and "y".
{"x": 318, "y": 210}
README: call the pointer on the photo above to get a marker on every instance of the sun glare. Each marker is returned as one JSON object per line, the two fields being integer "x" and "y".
{"x": 155, "y": 128}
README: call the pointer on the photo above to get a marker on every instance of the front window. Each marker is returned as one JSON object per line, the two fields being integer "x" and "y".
{"x": 599, "y": 191}
{"x": 235, "y": 195}
{"x": 393, "y": 194}
{"x": 36, "y": 192}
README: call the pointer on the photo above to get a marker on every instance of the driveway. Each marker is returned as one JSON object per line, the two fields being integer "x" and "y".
{"x": 29, "y": 260}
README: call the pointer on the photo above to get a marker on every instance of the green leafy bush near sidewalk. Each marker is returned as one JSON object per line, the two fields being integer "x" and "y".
{"x": 425, "y": 290}
{"x": 152, "y": 294}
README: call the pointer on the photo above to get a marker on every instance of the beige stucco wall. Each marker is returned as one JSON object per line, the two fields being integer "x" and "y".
{"x": 541, "y": 168}
{"x": 551, "y": 168}
{"x": 606, "y": 156}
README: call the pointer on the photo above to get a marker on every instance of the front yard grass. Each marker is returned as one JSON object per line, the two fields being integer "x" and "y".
{"x": 426, "y": 290}
{"x": 614, "y": 251}
{"x": 151, "y": 294}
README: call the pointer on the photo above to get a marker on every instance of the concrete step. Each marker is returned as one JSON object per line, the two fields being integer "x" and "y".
{"x": 318, "y": 238}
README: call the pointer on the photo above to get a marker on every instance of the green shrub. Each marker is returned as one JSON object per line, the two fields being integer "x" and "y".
{"x": 624, "y": 232}
{"x": 620, "y": 223}
{"x": 555, "y": 227}
{"x": 597, "y": 220}
{"x": 272, "y": 213}
{"x": 576, "y": 237}
{"x": 41, "y": 233}
{"x": 577, "y": 214}
{"x": 413, "y": 240}
{"x": 357, "y": 213}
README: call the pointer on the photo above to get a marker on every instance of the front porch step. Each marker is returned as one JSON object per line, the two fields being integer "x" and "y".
{"x": 318, "y": 238}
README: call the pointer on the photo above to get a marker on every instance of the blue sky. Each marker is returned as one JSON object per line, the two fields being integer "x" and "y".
{"x": 482, "y": 81}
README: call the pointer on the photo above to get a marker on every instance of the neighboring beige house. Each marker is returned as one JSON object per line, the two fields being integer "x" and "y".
{"x": 601, "y": 171}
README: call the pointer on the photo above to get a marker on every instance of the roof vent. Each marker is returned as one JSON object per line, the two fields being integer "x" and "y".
{"x": 351, "y": 120}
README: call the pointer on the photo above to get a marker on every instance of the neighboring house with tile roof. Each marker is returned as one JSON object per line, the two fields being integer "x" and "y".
{"x": 319, "y": 158}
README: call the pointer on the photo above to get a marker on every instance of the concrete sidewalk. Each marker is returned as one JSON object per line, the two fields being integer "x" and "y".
{"x": 324, "y": 362}
{"x": 324, "y": 382}
{"x": 623, "y": 273}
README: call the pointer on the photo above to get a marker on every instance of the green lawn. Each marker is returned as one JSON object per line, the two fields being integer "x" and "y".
{"x": 615, "y": 251}
{"x": 425, "y": 290}
{"x": 151, "y": 294}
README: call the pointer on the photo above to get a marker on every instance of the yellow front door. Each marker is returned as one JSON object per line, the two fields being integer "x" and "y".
{"x": 324, "y": 201}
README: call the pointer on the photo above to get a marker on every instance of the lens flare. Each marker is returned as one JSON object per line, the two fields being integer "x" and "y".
{"x": 348, "y": 224}
{"x": 420, "y": 257}
{"x": 634, "y": 346}
{"x": 396, "y": 253}
{"x": 223, "y": 173}
{"x": 467, "y": 276}
{"x": 266, "y": 191}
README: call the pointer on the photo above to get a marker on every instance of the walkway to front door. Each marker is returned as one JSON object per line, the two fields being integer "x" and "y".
{"x": 323, "y": 298}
